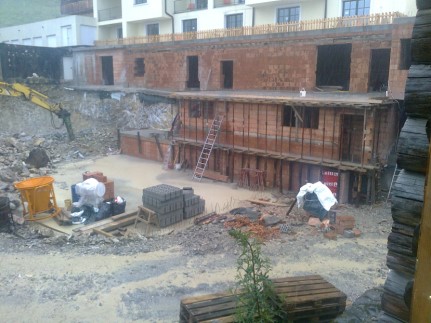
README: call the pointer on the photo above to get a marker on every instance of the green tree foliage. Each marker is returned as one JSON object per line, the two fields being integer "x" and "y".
{"x": 257, "y": 301}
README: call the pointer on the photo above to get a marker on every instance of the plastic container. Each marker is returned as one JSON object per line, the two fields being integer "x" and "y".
{"x": 39, "y": 195}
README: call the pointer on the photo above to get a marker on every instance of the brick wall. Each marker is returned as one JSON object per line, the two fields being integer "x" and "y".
{"x": 259, "y": 127}
{"x": 281, "y": 62}
{"x": 144, "y": 147}
{"x": 397, "y": 76}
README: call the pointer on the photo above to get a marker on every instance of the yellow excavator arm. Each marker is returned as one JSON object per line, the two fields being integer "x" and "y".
{"x": 17, "y": 89}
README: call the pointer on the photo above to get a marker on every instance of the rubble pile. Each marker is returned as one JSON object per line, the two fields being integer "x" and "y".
{"x": 15, "y": 150}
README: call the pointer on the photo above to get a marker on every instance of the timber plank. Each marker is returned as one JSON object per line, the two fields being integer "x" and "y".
{"x": 118, "y": 224}
{"x": 402, "y": 263}
{"x": 105, "y": 221}
{"x": 103, "y": 233}
{"x": 419, "y": 71}
{"x": 421, "y": 50}
{"x": 215, "y": 176}
{"x": 394, "y": 305}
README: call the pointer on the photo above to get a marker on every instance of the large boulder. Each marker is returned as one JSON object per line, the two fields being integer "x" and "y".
{"x": 38, "y": 158}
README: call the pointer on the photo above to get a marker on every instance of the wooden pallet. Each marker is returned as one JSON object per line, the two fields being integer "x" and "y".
{"x": 109, "y": 224}
{"x": 306, "y": 299}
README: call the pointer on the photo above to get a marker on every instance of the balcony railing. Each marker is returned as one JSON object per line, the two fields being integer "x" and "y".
{"x": 224, "y": 3}
{"x": 110, "y": 13}
{"x": 76, "y": 7}
{"x": 330, "y": 23}
{"x": 189, "y": 5}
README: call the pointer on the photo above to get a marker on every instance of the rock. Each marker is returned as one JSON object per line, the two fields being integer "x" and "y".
{"x": 38, "y": 158}
{"x": 7, "y": 175}
{"x": 38, "y": 141}
{"x": 348, "y": 234}
{"x": 269, "y": 219}
{"x": 11, "y": 142}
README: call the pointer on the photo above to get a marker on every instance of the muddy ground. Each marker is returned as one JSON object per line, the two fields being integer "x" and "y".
{"x": 48, "y": 277}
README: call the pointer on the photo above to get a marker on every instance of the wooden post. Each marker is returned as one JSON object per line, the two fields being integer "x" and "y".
{"x": 421, "y": 303}
{"x": 139, "y": 143}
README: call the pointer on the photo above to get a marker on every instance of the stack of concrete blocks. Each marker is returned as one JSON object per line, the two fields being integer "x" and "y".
{"x": 193, "y": 204}
{"x": 109, "y": 185}
{"x": 172, "y": 204}
{"x": 166, "y": 201}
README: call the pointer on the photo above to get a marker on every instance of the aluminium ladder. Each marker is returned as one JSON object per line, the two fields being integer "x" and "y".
{"x": 207, "y": 147}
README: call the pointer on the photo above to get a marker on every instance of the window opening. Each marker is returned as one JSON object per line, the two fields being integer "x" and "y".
{"x": 234, "y": 21}
{"x": 333, "y": 66}
{"x": 356, "y": 8}
{"x": 193, "y": 72}
{"x": 379, "y": 69}
{"x": 152, "y": 29}
{"x": 405, "y": 54}
{"x": 227, "y": 74}
{"x": 139, "y": 67}
{"x": 285, "y": 15}
{"x": 190, "y": 25}
{"x": 301, "y": 117}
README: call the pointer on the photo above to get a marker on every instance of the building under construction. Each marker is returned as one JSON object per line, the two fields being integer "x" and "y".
{"x": 295, "y": 103}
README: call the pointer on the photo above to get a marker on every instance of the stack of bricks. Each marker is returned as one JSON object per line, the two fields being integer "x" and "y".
{"x": 167, "y": 201}
{"x": 344, "y": 222}
{"x": 172, "y": 204}
{"x": 109, "y": 184}
{"x": 193, "y": 204}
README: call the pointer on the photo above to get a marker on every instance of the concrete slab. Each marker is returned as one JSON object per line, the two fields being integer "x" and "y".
{"x": 131, "y": 175}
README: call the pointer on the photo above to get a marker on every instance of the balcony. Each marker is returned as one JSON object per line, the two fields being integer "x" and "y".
{"x": 76, "y": 7}
{"x": 225, "y": 3}
{"x": 190, "y": 5}
{"x": 110, "y": 14}
{"x": 295, "y": 26}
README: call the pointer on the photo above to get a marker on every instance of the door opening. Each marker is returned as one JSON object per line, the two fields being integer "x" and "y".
{"x": 107, "y": 70}
{"x": 193, "y": 72}
{"x": 333, "y": 65}
{"x": 227, "y": 74}
{"x": 352, "y": 134}
{"x": 379, "y": 69}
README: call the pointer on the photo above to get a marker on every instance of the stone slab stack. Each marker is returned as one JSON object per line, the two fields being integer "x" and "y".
{"x": 193, "y": 204}
{"x": 166, "y": 201}
{"x": 172, "y": 204}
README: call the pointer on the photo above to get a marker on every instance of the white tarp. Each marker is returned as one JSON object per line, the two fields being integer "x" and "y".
{"x": 324, "y": 194}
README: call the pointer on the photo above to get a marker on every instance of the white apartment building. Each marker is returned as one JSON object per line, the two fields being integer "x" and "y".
{"x": 116, "y": 19}
{"x": 134, "y": 18}
{"x": 64, "y": 31}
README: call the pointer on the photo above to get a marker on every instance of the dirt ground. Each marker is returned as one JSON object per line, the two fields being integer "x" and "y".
{"x": 46, "y": 276}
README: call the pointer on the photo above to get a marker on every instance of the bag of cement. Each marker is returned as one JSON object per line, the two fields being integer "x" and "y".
{"x": 323, "y": 193}
{"x": 90, "y": 191}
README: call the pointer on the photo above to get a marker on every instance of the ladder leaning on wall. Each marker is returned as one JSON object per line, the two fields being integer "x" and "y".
{"x": 207, "y": 147}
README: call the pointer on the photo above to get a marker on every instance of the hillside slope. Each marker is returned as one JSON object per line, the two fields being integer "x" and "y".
{"x": 18, "y": 12}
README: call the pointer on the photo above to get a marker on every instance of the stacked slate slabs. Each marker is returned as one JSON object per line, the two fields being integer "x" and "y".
{"x": 193, "y": 204}
{"x": 166, "y": 201}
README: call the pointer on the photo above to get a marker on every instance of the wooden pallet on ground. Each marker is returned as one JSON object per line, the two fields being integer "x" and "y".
{"x": 109, "y": 224}
{"x": 306, "y": 299}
